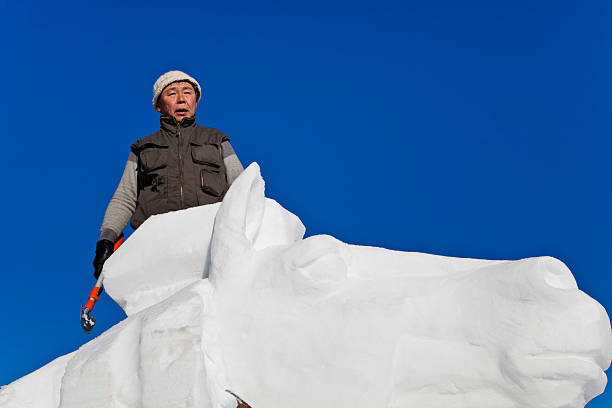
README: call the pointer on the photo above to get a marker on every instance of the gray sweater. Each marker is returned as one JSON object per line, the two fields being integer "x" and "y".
{"x": 123, "y": 204}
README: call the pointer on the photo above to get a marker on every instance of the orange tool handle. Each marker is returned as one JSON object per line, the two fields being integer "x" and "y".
{"x": 118, "y": 242}
{"x": 93, "y": 297}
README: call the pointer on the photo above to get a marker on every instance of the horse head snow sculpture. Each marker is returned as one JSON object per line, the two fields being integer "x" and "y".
{"x": 322, "y": 323}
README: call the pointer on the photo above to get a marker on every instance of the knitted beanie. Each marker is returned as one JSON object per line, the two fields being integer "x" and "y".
{"x": 171, "y": 77}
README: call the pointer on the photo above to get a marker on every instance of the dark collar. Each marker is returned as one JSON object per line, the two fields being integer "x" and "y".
{"x": 170, "y": 124}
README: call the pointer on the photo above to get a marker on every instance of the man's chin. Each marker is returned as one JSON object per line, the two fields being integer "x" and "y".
{"x": 180, "y": 117}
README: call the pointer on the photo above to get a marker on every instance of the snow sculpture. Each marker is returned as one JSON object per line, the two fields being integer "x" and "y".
{"x": 285, "y": 321}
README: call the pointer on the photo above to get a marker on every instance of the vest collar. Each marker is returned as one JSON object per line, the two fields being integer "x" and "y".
{"x": 170, "y": 124}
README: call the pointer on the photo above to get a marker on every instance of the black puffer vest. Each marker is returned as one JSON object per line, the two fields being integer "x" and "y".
{"x": 180, "y": 166}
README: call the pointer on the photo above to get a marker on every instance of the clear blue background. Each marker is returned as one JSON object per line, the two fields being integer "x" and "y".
{"x": 475, "y": 130}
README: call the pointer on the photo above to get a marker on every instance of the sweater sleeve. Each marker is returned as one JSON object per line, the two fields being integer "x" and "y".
{"x": 233, "y": 167}
{"x": 123, "y": 204}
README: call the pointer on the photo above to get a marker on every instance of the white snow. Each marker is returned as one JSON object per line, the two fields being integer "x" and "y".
{"x": 229, "y": 296}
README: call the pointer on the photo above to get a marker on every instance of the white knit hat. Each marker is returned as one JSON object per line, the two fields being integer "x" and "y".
{"x": 170, "y": 77}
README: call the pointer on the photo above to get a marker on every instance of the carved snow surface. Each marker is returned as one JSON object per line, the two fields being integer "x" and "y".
{"x": 289, "y": 322}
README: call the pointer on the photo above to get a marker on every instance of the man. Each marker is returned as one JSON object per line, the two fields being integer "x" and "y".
{"x": 180, "y": 166}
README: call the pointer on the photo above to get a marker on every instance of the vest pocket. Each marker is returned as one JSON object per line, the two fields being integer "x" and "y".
{"x": 152, "y": 179}
{"x": 211, "y": 182}
{"x": 212, "y": 179}
{"x": 153, "y": 159}
{"x": 206, "y": 154}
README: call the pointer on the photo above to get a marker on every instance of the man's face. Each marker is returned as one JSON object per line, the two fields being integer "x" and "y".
{"x": 179, "y": 100}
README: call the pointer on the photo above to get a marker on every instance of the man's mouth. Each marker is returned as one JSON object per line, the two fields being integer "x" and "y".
{"x": 181, "y": 111}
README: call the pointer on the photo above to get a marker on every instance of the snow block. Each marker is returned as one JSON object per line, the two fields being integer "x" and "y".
{"x": 230, "y": 296}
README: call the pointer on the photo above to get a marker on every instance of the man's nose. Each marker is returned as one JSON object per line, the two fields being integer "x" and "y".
{"x": 180, "y": 98}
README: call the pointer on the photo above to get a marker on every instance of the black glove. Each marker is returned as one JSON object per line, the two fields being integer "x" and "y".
{"x": 104, "y": 249}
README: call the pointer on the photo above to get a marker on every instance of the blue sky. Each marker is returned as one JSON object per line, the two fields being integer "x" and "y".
{"x": 480, "y": 130}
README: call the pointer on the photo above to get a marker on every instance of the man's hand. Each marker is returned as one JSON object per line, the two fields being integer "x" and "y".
{"x": 104, "y": 249}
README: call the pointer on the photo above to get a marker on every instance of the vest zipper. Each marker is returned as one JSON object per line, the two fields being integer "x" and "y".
{"x": 180, "y": 158}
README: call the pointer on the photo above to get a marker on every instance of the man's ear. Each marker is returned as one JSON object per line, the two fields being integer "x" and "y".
{"x": 157, "y": 108}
